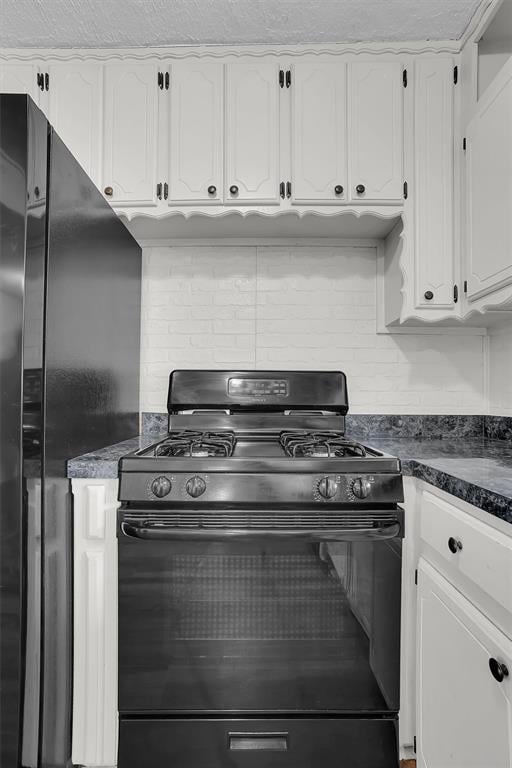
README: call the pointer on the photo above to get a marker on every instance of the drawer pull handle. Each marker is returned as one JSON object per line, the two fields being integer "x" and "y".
{"x": 252, "y": 742}
{"x": 454, "y": 545}
{"x": 498, "y": 670}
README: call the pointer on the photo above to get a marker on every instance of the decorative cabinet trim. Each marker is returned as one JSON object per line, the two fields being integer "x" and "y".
{"x": 95, "y": 718}
{"x": 182, "y": 52}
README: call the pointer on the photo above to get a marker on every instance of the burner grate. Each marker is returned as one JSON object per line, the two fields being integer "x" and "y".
{"x": 326, "y": 444}
{"x": 197, "y": 443}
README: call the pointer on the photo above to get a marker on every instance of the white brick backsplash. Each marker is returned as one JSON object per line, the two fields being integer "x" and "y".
{"x": 301, "y": 307}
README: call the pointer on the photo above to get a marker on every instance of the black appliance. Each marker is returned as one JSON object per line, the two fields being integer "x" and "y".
{"x": 69, "y": 380}
{"x": 259, "y": 581}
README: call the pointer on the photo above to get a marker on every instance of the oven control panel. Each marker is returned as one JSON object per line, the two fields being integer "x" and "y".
{"x": 263, "y": 488}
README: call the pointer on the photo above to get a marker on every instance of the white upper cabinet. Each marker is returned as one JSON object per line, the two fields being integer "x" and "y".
{"x": 464, "y": 697}
{"x": 489, "y": 192}
{"x": 433, "y": 183}
{"x": 319, "y": 136}
{"x": 196, "y": 132}
{"x": 74, "y": 109}
{"x": 375, "y": 132}
{"x": 22, "y": 77}
{"x": 130, "y": 136}
{"x": 252, "y": 132}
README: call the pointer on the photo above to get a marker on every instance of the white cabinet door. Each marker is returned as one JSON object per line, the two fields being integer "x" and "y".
{"x": 464, "y": 715}
{"x": 433, "y": 182}
{"x": 131, "y": 132}
{"x": 21, "y": 78}
{"x": 319, "y": 136}
{"x": 252, "y": 132}
{"x": 196, "y": 132}
{"x": 375, "y": 131}
{"x": 489, "y": 190}
{"x": 75, "y": 99}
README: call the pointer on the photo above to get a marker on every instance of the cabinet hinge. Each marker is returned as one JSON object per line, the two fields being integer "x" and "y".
{"x": 281, "y": 78}
{"x": 414, "y": 745}
{"x": 288, "y": 189}
{"x": 455, "y": 75}
{"x": 167, "y": 81}
{"x": 416, "y": 576}
{"x": 161, "y": 80}
{"x": 281, "y": 190}
{"x": 404, "y": 78}
{"x": 455, "y": 294}
{"x": 166, "y": 191}
{"x": 406, "y": 190}
{"x": 465, "y": 286}
{"x": 46, "y": 81}
{"x": 288, "y": 78}
{"x": 40, "y": 81}
{"x": 159, "y": 190}
{"x": 464, "y": 143}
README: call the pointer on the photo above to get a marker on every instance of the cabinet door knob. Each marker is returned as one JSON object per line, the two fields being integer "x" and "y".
{"x": 109, "y": 191}
{"x": 498, "y": 670}
{"x": 233, "y": 189}
{"x": 338, "y": 189}
{"x": 212, "y": 189}
{"x": 454, "y": 545}
{"x": 428, "y": 295}
{"x": 360, "y": 189}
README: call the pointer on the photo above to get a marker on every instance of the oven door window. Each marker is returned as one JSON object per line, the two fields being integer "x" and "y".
{"x": 272, "y": 626}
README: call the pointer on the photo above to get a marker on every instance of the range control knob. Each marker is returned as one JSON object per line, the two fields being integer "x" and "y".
{"x": 327, "y": 487}
{"x": 361, "y": 487}
{"x": 195, "y": 486}
{"x": 161, "y": 486}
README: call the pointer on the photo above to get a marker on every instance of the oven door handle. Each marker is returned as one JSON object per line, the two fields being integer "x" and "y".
{"x": 162, "y": 532}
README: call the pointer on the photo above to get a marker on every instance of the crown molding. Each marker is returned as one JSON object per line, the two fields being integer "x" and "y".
{"x": 481, "y": 18}
{"x": 222, "y": 51}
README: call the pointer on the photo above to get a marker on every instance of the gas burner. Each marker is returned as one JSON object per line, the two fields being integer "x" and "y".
{"x": 196, "y": 443}
{"x": 326, "y": 444}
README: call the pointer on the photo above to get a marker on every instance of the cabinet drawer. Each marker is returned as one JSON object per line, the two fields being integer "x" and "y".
{"x": 482, "y": 556}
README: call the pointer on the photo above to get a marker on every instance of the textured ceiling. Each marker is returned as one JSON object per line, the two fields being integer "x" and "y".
{"x": 127, "y": 23}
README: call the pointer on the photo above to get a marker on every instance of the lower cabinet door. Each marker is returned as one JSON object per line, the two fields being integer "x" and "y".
{"x": 244, "y": 743}
{"x": 464, "y": 694}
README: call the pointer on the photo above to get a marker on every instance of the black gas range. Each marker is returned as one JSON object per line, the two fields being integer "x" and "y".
{"x": 259, "y": 580}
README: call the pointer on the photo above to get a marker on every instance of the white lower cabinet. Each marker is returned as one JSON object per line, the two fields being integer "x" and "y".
{"x": 95, "y": 623}
{"x": 464, "y": 713}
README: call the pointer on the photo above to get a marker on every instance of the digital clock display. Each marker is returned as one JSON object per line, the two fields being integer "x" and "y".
{"x": 258, "y": 387}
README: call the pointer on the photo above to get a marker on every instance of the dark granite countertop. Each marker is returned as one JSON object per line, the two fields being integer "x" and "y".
{"x": 476, "y": 470}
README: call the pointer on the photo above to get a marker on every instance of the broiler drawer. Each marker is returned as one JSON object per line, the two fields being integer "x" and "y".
{"x": 258, "y": 743}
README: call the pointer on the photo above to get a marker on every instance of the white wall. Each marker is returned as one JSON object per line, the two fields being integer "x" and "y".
{"x": 296, "y": 307}
{"x": 500, "y": 372}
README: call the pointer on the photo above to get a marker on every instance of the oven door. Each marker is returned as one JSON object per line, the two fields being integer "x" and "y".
{"x": 301, "y": 618}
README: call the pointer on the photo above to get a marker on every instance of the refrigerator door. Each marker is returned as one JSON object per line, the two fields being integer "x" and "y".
{"x": 13, "y": 189}
{"x": 91, "y": 397}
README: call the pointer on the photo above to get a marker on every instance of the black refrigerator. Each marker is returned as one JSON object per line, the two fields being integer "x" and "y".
{"x": 70, "y": 277}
